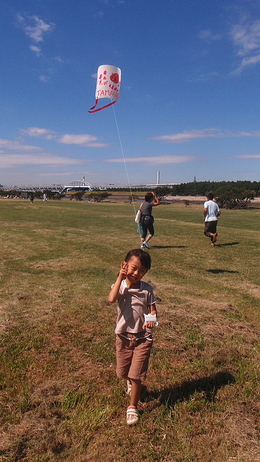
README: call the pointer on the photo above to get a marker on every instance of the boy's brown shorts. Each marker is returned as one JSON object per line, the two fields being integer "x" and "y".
{"x": 132, "y": 355}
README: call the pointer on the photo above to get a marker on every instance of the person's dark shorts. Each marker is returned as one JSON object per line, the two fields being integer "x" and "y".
{"x": 210, "y": 227}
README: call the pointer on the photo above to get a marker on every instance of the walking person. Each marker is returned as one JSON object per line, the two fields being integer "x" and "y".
{"x": 211, "y": 214}
{"x": 147, "y": 220}
{"x": 31, "y": 197}
{"x": 133, "y": 332}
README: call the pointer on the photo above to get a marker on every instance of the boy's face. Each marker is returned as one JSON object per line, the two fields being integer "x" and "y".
{"x": 135, "y": 271}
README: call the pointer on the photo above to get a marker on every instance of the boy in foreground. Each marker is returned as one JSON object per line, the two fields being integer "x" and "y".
{"x": 134, "y": 340}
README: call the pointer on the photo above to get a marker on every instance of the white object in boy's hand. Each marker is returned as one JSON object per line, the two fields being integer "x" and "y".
{"x": 150, "y": 318}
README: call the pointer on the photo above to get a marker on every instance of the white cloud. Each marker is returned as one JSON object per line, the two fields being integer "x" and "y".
{"x": 82, "y": 140}
{"x": 17, "y": 157}
{"x": 43, "y": 78}
{"x": 37, "y": 29}
{"x": 43, "y": 159}
{"x": 39, "y": 132}
{"x": 77, "y": 139}
{"x": 34, "y": 27}
{"x": 255, "y": 134}
{"x": 154, "y": 160}
{"x": 36, "y": 49}
{"x": 249, "y": 61}
{"x": 248, "y": 156}
{"x": 188, "y": 135}
{"x": 210, "y": 75}
{"x": 246, "y": 37}
{"x": 205, "y": 133}
{"x": 246, "y": 40}
{"x": 17, "y": 146}
{"x": 208, "y": 35}
{"x": 58, "y": 59}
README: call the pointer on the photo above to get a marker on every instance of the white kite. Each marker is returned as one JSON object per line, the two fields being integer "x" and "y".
{"x": 108, "y": 85}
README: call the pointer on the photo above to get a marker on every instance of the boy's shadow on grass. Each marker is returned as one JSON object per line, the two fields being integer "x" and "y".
{"x": 228, "y": 243}
{"x": 219, "y": 271}
{"x": 170, "y": 247}
{"x": 171, "y": 396}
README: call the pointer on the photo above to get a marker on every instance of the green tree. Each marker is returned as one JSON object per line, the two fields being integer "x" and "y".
{"x": 98, "y": 195}
{"x": 79, "y": 195}
{"x": 232, "y": 197}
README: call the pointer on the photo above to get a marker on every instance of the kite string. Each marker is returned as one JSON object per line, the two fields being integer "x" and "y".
{"x": 127, "y": 175}
{"x": 123, "y": 155}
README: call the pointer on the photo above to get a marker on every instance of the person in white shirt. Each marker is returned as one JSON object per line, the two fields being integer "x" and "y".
{"x": 211, "y": 214}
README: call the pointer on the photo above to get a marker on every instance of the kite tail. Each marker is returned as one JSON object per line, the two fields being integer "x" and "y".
{"x": 93, "y": 109}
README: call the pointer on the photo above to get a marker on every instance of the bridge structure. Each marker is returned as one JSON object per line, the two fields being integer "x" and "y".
{"x": 77, "y": 186}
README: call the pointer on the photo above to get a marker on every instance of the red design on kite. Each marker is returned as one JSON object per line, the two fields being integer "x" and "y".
{"x": 114, "y": 78}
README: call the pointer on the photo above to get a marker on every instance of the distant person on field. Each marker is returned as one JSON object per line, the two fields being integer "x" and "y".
{"x": 133, "y": 335}
{"x": 211, "y": 214}
{"x": 150, "y": 201}
{"x": 31, "y": 197}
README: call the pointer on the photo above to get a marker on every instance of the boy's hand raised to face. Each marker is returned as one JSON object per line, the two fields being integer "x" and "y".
{"x": 123, "y": 269}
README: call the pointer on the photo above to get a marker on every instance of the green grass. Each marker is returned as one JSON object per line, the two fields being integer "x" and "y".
{"x": 60, "y": 398}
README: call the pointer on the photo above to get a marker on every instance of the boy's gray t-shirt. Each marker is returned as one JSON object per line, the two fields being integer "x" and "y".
{"x": 132, "y": 306}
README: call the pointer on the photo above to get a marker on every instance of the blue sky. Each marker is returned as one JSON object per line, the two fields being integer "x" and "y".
{"x": 189, "y": 99}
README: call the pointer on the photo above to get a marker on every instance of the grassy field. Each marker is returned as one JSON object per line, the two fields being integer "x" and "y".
{"x": 60, "y": 398}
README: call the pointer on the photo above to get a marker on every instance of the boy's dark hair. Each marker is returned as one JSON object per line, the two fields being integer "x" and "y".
{"x": 148, "y": 197}
{"x": 210, "y": 196}
{"x": 143, "y": 256}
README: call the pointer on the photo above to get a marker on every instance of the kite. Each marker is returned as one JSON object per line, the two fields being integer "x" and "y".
{"x": 108, "y": 85}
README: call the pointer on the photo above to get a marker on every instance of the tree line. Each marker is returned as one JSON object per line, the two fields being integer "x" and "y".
{"x": 229, "y": 194}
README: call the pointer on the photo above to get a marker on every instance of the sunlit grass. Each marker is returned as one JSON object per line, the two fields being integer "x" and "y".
{"x": 60, "y": 398}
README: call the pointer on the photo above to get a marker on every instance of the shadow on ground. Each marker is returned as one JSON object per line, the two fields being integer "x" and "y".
{"x": 228, "y": 243}
{"x": 219, "y": 271}
{"x": 170, "y": 247}
{"x": 208, "y": 385}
